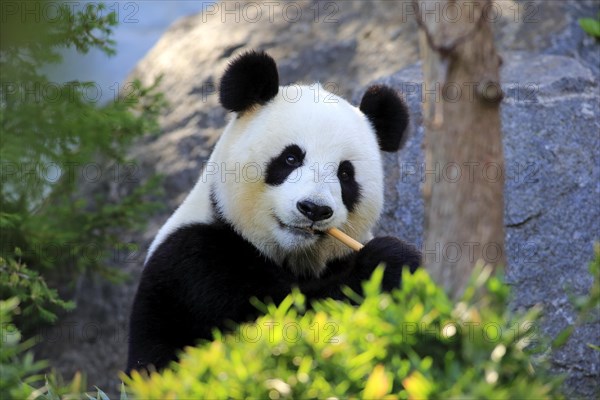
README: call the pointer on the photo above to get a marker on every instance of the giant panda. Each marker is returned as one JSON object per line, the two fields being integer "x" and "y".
{"x": 292, "y": 162}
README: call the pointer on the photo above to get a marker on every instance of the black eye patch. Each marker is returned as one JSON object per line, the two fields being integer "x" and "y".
{"x": 350, "y": 188}
{"x": 280, "y": 167}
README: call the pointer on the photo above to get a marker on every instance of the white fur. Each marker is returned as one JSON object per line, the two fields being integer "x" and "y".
{"x": 329, "y": 130}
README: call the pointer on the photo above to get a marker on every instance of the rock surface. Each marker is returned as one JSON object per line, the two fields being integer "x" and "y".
{"x": 551, "y": 142}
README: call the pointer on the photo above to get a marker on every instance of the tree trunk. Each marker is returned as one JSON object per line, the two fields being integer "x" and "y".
{"x": 464, "y": 175}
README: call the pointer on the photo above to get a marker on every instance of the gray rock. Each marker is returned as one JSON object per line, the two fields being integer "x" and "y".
{"x": 348, "y": 45}
{"x": 551, "y": 120}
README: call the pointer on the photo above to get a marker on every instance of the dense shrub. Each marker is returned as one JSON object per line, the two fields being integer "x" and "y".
{"x": 412, "y": 343}
{"x": 21, "y": 376}
{"x": 19, "y": 373}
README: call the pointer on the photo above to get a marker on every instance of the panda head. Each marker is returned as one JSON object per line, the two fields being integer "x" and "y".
{"x": 298, "y": 160}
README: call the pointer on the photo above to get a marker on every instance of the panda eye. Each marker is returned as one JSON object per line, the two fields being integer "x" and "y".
{"x": 292, "y": 160}
{"x": 345, "y": 171}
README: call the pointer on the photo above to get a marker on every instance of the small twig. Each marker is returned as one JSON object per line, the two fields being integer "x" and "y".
{"x": 347, "y": 240}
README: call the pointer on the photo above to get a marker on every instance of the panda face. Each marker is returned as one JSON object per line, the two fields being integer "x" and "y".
{"x": 304, "y": 167}
{"x": 293, "y": 162}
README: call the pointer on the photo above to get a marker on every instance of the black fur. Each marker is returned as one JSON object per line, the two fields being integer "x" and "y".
{"x": 202, "y": 277}
{"x": 350, "y": 188}
{"x": 251, "y": 79}
{"x": 388, "y": 114}
{"x": 278, "y": 169}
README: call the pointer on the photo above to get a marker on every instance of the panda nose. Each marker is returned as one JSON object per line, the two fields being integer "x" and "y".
{"x": 313, "y": 211}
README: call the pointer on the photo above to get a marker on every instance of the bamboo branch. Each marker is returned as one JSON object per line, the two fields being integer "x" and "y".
{"x": 347, "y": 240}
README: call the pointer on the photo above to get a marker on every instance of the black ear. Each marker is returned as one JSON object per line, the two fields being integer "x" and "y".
{"x": 251, "y": 79}
{"x": 389, "y": 115}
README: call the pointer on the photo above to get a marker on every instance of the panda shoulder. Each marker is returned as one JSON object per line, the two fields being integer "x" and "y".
{"x": 193, "y": 246}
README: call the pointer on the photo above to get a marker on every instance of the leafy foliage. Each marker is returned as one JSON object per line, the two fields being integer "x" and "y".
{"x": 66, "y": 178}
{"x": 591, "y": 26}
{"x": 412, "y": 343}
{"x": 29, "y": 285}
{"x": 21, "y": 376}
{"x": 18, "y": 370}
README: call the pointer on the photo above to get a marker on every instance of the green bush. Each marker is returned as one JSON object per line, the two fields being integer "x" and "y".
{"x": 56, "y": 221}
{"x": 412, "y": 343}
{"x": 51, "y": 133}
{"x": 21, "y": 375}
{"x": 23, "y": 283}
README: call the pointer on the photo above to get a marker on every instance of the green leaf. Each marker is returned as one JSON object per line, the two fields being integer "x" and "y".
{"x": 563, "y": 337}
{"x": 123, "y": 392}
{"x": 101, "y": 395}
{"x": 590, "y": 26}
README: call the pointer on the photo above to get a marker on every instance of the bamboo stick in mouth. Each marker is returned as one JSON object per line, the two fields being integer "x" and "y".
{"x": 347, "y": 240}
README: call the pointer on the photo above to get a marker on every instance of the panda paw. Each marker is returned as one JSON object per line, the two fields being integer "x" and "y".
{"x": 391, "y": 251}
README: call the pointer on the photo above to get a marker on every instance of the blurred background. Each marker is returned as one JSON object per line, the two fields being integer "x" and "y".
{"x": 141, "y": 24}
